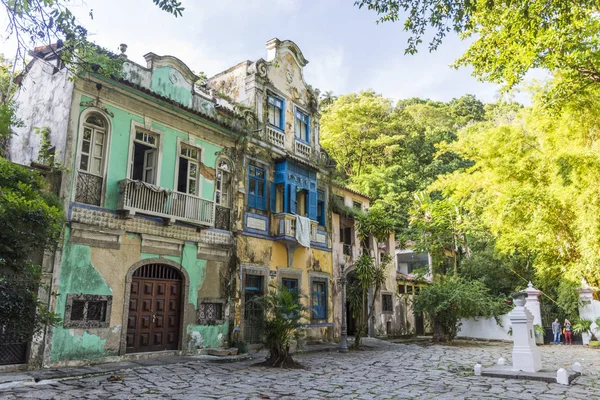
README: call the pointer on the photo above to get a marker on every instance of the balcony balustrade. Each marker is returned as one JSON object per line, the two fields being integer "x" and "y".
{"x": 276, "y": 137}
{"x": 302, "y": 149}
{"x": 284, "y": 224}
{"x": 144, "y": 198}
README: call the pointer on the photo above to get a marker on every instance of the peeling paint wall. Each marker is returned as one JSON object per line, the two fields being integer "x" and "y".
{"x": 43, "y": 100}
{"x": 93, "y": 270}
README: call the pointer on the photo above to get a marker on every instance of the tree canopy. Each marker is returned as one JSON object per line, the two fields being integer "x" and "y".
{"x": 511, "y": 37}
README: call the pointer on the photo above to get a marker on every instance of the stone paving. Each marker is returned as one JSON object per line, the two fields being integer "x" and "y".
{"x": 382, "y": 371}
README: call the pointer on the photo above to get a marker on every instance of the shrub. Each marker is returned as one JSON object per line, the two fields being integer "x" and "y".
{"x": 450, "y": 298}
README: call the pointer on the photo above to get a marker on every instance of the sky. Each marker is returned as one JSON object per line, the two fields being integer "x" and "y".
{"x": 347, "y": 51}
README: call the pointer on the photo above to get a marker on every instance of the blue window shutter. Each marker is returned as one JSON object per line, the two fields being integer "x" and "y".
{"x": 273, "y": 197}
{"x": 312, "y": 205}
{"x": 292, "y": 198}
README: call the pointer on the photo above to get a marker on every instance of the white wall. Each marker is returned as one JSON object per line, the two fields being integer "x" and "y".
{"x": 485, "y": 328}
{"x": 43, "y": 100}
{"x": 590, "y": 309}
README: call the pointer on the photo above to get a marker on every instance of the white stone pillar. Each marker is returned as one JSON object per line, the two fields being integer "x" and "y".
{"x": 532, "y": 303}
{"x": 526, "y": 356}
{"x": 586, "y": 308}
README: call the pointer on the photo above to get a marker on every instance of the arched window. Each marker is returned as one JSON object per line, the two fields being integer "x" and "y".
{"x": 93, "y": 145}
{"x": 93, "y": 148}
{"x": 223, "y": 184}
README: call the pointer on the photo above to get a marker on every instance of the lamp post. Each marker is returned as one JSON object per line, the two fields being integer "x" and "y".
{"x": 344, "y": 332}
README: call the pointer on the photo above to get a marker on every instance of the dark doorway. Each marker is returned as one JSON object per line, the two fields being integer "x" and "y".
{"x": 419, "y": 324}
{"x": 253, "y": 310}
{"x": 154, "y": 309}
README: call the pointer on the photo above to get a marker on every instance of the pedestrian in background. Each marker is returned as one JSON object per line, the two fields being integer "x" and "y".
{"x": 556, "y": 331}
{"x": 568, "y": 332}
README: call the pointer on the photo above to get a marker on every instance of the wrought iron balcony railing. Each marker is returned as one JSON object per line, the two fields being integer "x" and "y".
{"x": 144, "y": 198}
{"x": 88, "y": 189}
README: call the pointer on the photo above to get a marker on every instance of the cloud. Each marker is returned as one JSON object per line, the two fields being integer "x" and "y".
{"x": 328, "y": 71}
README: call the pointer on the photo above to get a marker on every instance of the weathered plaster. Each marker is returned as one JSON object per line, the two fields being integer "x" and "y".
{"x": 169, "y": 82}
{"x": 43, "y": 100}
{"x": 78, "y": 275}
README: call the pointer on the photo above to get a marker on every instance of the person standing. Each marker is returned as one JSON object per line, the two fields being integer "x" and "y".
{"x": 568, "y": 332}
{"x": 556, "y": 331}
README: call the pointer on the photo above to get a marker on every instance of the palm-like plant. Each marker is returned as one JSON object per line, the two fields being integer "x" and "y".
{"x": 284, "y": 313}
{"x": 585, "y": 326}
{"x": 369, "y": 275}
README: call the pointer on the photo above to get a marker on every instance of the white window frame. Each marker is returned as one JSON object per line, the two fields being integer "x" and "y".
{"x": 220, "y": 190}
{"x": 140, "y": 127}
{"x": 79, "y": 143}
{"x": 200, "y": 162}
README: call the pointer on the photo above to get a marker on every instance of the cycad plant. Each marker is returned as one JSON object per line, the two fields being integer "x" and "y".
{"x": 585, "y": 326}
{"x": 284, "y": 314}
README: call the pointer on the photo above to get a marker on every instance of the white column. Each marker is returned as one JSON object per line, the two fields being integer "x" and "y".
{"x": 526, "y": 356}
{"x": 586, "y": 307}
{"x": 533, "y": 303}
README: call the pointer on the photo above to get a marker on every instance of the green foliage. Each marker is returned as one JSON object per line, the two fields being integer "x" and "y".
{"x": 284, "y": 314}
{"x": 510, "y": 37}
{"x": 34, "y": 22}
{"x": 375, "y": 223}
{"x": 533, "y": 187}
{"x": 20, "y": 310}
{"x": 390, "y": 153}
{"x": 449, "y": 299}
{"x": 367, "y": 275}
{"x": 585, "y": 326}
{"x": 30, "y": 222}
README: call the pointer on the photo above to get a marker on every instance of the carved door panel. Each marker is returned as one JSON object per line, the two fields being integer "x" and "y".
{"x": 154, "y": 315}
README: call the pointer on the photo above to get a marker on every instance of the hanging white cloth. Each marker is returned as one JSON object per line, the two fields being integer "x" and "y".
{"x": 303, "y": 231}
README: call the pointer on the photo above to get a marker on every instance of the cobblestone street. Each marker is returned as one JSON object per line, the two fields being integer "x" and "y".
{"x": 383, "y": 371}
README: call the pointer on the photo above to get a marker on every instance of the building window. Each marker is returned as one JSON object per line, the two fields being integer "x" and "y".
{"x": 256, "y": 188}
{"x": 319, "y": 300}
{"x": 357, "y": 205}
{"x": 223, "y": 184}
{"x": 210, "y": 311}
{"x": 93, "y": 145}
{"x": 145, "y": 157}
{"x": 302, "y": 202}
{"x": 321, "y": 207}
{"x": 188, "y": 174}
{"x": 290, "y": 283}
{"x": 387, "y": 304}
{"x": 92, "y": 156}
{"x": 301, "y": 126}
{"x": 275, "y": 108}
{"x": 87, "y": 311}
{"x": 401, "y": 289}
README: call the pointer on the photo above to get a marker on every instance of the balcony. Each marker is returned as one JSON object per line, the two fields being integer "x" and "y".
{"x": 141, "y": 197}
{"x": 284, "y": 225}
{"x": 302, "y": 149}
{"x": 276, "y": 137}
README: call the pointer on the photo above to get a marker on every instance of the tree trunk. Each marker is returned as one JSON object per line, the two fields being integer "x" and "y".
{"x": 439, "y": 331}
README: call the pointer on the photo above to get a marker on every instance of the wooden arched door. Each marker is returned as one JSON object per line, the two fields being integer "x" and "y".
{"x": 154, "y": 319}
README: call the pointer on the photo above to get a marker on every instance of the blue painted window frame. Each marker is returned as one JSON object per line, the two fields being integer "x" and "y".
{"x": 321, "y": 207}
{"x": 304, "y": 117}
{"x": 256, "y": 199}
{"x": 319, "y": 299}
{"x": 253, "y": 288}
{"x": 272, "y": 100}
{"x": 290, "y": 283}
